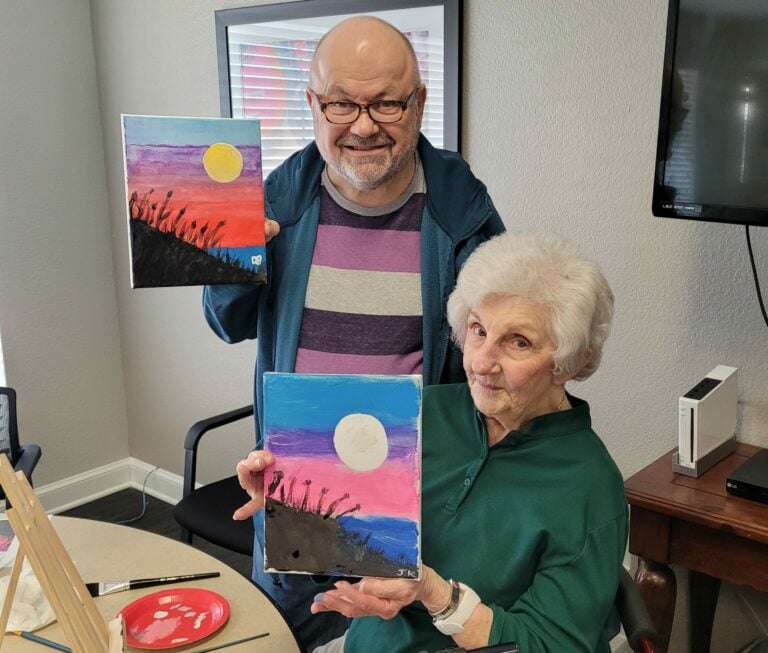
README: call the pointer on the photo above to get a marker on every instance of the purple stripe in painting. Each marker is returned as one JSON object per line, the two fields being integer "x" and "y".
{"x": 349, "y": 333}
{"x": 363, "y": 249}
{"x": 318, "y": 362}
{"x": 296, "y": 443}
{"x": 180, "y": 160}
{"x": 406, "y": 218}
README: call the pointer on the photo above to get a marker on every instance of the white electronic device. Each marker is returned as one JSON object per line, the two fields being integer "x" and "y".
{"x": 707, "y": 422}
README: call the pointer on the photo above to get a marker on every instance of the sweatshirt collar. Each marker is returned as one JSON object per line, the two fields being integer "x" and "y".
{"x": 549, "y": 425}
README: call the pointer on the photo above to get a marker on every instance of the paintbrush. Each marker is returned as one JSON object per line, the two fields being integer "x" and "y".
{"x": 110, "y": 587}
{"x": 41, "y": 640}
{"x": 228, "y": 644}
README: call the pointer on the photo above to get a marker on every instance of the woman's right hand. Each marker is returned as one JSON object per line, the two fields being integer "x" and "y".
{"x": 250, "y": 475}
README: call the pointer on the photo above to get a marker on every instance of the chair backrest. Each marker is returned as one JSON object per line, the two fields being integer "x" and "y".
{"x": 9, "y": 430}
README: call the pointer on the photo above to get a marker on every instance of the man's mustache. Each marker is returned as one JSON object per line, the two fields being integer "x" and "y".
{"x": 350, "y": 140}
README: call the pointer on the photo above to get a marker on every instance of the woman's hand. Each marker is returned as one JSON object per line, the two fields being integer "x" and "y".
{"x": 250, "y": 475}
{"x": 380, "y": 597}
{"x": 384, "y": 597}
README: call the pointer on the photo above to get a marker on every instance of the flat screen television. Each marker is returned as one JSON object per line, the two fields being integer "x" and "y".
{"x": 712, "y": 154}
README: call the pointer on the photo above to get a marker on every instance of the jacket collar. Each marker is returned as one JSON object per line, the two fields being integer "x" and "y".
{"x": 291, "y": 187}
{"x": 456, "y": 199}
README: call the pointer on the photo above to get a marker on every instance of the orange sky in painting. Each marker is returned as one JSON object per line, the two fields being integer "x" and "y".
{"x": 212, "y": 202}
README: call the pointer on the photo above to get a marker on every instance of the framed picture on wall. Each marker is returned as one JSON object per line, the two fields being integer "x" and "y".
{"x": 264, "y": 55}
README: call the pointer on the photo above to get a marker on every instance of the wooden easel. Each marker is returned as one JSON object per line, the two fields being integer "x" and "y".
{"x": 84, "y": 627}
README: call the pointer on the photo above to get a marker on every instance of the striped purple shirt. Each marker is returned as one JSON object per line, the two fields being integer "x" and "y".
{"x": 362, "y": 311}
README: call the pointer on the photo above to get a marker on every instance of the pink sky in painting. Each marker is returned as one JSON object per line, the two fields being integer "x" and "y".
{"x": 387, "y": 491}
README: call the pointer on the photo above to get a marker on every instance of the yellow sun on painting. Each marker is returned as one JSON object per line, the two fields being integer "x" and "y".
{"x": 223, "y": 162}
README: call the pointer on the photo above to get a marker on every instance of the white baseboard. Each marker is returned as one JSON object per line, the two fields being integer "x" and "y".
{"x": 101, "y": 481}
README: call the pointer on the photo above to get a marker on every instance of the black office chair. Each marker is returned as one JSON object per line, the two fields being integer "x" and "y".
{"x": 207, "y": 511}
{"x": 641, "y": 634}
{"x": 22, "y": 457}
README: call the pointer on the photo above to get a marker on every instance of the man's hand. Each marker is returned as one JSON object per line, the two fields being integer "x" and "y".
{"x": 271, "y": 229}
{"x": 250, "y": 475}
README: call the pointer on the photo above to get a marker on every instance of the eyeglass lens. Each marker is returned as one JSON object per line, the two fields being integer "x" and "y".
{"x": 342, "y": 112}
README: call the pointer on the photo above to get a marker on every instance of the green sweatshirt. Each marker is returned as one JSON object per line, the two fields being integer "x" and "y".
{"x": 536, "y": 525}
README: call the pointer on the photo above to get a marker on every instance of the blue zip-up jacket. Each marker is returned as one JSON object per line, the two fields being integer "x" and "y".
{"x": 458, "y": 216}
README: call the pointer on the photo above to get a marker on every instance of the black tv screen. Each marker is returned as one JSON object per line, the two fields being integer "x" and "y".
{"x": 712, "y": 155}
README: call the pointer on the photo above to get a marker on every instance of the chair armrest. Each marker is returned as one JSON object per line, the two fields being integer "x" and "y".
{"x": 196, "y": 432}
{"x": 29, "y": 454}
{"x": 634, "y": 613}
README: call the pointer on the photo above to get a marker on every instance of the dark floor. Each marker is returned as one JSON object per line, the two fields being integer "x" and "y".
{"x": 157, "y": 518}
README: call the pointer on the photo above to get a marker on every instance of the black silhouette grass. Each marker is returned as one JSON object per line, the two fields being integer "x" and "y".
{"x": 170, "y": 248}
{"x": 161, "y": 259}
{"x": 305, "y": 534}
{"x": 143, "y": 207}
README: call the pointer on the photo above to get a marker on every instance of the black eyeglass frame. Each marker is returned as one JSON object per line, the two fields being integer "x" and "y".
{"x": 404, "y": 104}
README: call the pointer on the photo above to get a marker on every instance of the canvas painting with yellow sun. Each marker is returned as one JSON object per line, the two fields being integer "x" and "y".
{"x": 344, "y": 495}
{"x": 195, "y": 200}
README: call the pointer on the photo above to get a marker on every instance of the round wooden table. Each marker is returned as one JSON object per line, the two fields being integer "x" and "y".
{"x": 105, "y": 552}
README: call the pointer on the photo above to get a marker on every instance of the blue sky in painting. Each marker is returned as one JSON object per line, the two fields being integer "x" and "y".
{"x": 151, "y": 130}
{"x": 313, "y": 404}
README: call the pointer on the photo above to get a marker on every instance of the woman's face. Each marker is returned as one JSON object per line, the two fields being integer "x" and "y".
{"x": 508, "y": 361}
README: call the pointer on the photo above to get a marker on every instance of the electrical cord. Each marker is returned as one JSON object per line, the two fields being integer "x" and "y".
{"x": 757, "y": 279}
{"x": 143, "y": 499}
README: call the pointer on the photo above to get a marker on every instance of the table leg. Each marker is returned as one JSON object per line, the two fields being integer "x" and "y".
{"x": 702, "y": 597}
{"x": 658, "y": 588}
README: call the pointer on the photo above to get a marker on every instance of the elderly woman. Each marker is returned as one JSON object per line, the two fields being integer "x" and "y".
{"x": 524, "y": 521}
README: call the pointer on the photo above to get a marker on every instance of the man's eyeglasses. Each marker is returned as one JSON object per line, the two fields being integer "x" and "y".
{"x": 384, "y": 111}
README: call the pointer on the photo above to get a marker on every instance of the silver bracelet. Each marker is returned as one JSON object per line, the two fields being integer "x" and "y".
{"x": 453, "y": 603}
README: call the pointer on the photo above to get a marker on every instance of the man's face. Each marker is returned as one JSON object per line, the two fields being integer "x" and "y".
{"x": 365, "y": 154}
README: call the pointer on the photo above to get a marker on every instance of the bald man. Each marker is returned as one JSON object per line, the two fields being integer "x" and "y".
{"x": 367, "y": 228}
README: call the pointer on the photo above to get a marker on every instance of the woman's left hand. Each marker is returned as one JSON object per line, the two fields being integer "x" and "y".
{"x": 381, "y": 597}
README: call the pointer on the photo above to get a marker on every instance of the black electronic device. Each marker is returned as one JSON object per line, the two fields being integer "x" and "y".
{"x": 750, "y": 479}
{"x": 712, "y": 153}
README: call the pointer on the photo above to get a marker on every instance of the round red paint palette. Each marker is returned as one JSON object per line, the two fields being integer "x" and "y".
{"x": 173, "y": 617}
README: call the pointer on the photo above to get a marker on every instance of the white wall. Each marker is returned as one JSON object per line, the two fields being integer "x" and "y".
{"x": 160, "y": 58}
{"x": 58, "y": 311}
{"x": 568, "y": 144}
{"x": 561, "y": 108}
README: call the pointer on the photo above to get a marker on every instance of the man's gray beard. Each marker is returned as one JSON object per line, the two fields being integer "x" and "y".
{"x": 381, "y": 176}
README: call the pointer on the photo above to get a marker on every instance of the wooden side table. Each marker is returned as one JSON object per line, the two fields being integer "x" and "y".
{"x": 694, "y": 523}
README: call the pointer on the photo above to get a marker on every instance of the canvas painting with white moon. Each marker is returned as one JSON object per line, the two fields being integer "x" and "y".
{"x": 344, "y": 495}
{"x": 195, "y": 200}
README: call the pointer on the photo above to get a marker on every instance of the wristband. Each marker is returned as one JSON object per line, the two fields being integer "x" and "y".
{"x": 453, "y": 623}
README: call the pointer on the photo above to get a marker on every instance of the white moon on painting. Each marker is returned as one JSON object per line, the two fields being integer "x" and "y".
{"x": 361, "y": 442}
